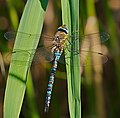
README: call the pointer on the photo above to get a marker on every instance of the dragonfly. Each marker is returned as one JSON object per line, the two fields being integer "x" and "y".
{"x": 51, "y": 48}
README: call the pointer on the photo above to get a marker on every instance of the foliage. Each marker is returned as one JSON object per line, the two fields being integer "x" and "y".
{"x": 94, "y": 93}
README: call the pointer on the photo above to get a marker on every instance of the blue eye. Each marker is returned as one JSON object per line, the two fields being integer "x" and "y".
{"x": 63, "y": 29}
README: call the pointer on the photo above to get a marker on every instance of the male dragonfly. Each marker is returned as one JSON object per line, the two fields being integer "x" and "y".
{"x": 51, "y": 49}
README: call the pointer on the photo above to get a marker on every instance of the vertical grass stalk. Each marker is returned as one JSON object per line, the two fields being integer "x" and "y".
{"x": 70, "y": 17}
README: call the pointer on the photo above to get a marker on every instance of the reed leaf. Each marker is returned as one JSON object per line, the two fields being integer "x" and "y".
{"x": 70, "y": 17}
{"x": 31, "y": 23}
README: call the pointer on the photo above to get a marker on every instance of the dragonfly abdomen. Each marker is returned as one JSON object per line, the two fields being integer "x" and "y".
{"x": 51, "y": 80}
{"x": 50, "y": 86}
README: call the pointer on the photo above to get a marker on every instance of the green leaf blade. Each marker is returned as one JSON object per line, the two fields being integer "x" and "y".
{"x": 31, "y": 22}
{"x": 70, "y": 17}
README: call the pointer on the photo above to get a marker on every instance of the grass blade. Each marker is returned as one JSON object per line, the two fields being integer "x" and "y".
{"x": 31, "y": 22}
{"x": 70, "y": 17}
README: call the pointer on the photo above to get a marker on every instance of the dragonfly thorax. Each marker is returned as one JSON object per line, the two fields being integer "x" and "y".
{"x": 59, "y": 40}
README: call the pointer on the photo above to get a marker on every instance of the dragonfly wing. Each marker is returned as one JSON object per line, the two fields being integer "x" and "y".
{"x": 86, "y": 58}
{"x": 93, "y": 39}
{"x": 39, "y": 55}
{"x": 11, "y": 35}
{"x": 46, "y": 44}
{"x": 89, "y": 58}
{"x": 85, "y": 41}
{"x": 42, "y": 54}
{"x": 44, "y": 50}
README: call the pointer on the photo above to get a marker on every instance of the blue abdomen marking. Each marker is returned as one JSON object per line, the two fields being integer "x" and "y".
{"x": 57, "y": 55}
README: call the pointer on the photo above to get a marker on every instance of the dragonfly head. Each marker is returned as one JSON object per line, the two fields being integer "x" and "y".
{"x": 63, "y": 28}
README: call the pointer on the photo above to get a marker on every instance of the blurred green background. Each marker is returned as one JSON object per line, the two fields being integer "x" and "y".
{"x": 100, "y": 98}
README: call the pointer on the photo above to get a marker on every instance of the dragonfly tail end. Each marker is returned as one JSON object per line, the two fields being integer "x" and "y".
{"x": 46, "y": 109}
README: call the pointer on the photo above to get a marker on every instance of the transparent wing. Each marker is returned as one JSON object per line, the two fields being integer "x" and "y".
{"x": 40, "y": 55}
{"x": 89, "y": 58}
{"x": 86, "y": 58}
{"x": 96, "y": 39}
{"x": 85, "y": 41}
{"x": 11, "y": 35}
{"x": 103, "y": 36}
{"x": 43, "y": 52}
